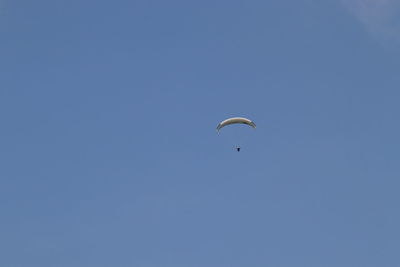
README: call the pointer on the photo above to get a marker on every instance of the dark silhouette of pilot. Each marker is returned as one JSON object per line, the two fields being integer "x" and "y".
{"x": 238, "y": 149}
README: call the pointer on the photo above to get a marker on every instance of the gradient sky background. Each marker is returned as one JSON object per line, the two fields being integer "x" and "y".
{"x": 108, "y": 149}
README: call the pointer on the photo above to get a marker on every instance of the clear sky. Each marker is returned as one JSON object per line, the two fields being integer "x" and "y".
{"x": 108, "y": 149}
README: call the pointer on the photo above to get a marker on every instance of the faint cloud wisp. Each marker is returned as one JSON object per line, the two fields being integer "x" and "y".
{"x": 380, "y": 17}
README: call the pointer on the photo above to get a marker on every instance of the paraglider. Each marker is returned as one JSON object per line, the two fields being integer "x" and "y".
{"x": 236, "y": 120}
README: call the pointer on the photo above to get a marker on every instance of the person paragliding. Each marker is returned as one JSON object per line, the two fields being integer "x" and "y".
{"x": 235, "y": 120}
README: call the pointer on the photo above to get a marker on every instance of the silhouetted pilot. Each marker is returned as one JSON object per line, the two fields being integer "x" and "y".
{"x": 238, "y": 149}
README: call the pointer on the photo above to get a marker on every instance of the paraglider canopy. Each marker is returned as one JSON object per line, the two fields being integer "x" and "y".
{"x": 235, "y": 120}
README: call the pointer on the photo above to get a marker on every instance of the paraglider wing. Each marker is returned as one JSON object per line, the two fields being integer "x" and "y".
{"x": 236, "y": 120}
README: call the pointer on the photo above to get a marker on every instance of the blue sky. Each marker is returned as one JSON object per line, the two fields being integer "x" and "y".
{"x": 108, "y": 149}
